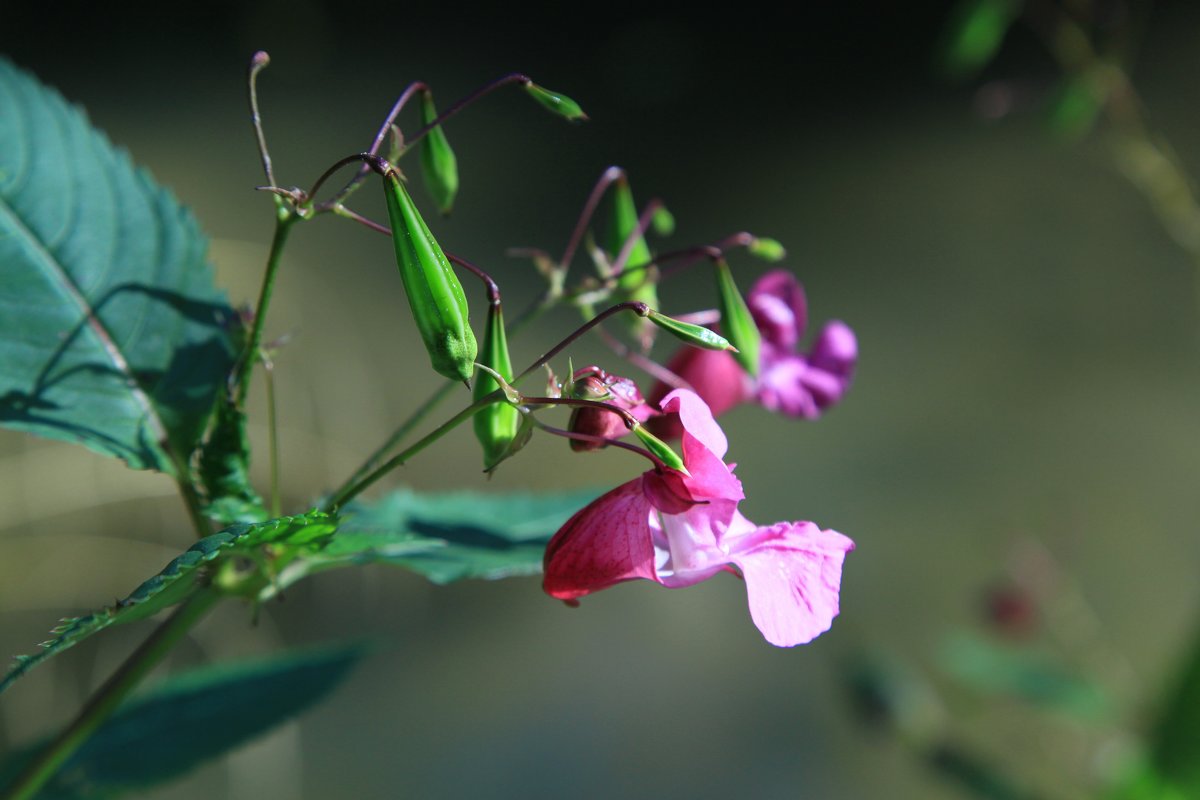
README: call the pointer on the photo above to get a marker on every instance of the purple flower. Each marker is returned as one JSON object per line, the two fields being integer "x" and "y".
{"x": 796, "y": 384}
{"x": 679, "y": 528}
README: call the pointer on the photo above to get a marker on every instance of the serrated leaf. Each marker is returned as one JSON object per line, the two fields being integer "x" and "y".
{"x": 111, "y": 332}
{"x": 451, "y": 536}
{"x": 177, "y": 580}
{"x": 190, "y": 719}
{"x": 1022, "y": 672}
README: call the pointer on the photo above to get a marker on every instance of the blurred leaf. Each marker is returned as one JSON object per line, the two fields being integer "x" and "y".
{"x": 1076, "y": 106}
{"x": 1022, "y": 672}
{"x": 447, "y": 537}
{"x": 177, "y": 580}
{"x": 1175, "y": 737}
{"x": 111, "y": 333}
{"x": 190, "y": 719}
{"x": 974, "y": 34}
{"x": 977, "y": 777}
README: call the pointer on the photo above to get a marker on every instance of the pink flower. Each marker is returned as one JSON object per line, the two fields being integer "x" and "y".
{"x": 795, "y": 384}
{"x": 678, "y": 529}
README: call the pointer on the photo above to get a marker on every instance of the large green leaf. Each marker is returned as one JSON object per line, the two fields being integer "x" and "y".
{"x": 178, "y": 580}
{"x": 447, "y": 537}
{"x": 111, "y": 332}
{"x": 190, "y": 719}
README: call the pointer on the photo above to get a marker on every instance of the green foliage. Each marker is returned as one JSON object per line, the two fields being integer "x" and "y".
{"x": 1077, "y": 104}
{"x": 111, "y": 333}
{"x": 449, "y": 536}
{"x": 179, "y": 579}
{"x": 191, "y": 719}
{"x": 1024, "y": 673}
{"x": 1175, "y": 738}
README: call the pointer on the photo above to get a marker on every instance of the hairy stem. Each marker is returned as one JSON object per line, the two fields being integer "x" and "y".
{"x": 109, "y": 696}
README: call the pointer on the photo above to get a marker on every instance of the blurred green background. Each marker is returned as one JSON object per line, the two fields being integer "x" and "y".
{"x": 1029, "y": 342}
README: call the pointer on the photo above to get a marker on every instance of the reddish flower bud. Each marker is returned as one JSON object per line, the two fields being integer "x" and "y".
{"x": 593, "y": 383}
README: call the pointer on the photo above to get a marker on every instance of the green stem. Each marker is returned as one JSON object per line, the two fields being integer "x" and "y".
{"x": 272, "y": 437}
{"x": 398, "y": 435}
{"x": 283, "y": 225}
{"x": 191, "y": 501}
{"x": 109, "y": 696}
{"x": 348, "y": 493}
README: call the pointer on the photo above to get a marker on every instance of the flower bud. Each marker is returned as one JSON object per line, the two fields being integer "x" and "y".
{"x": 767, "y": 249}
{"x": 435, "y": 296}
{"x": 736, "y": 320}
{"x": 660, "y": 449}
{"x": 695, "y": 335}
{"x": 558, "y": 103}
{"x": 496, "y": 425}
{"x": 438, "y": 164}
{"x": 593, "y": 383}
{"x": 663, "y": 221}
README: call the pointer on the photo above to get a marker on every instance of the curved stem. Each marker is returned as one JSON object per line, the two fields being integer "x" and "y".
{"x": 258, "y": 63}
{"x": 478, "y": 94}
{"x": 109, "y": 696}
{"x": 602, "y": 440}
{"x": 641, "y": 309}
{"x": 610, "y": 176}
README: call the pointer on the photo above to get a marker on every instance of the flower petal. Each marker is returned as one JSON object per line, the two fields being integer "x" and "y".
{"x": 606, "y": 542}
{"x": 777, "y": 302}
{"x": 697, "y": 420}
{"x": 793, "y": 573}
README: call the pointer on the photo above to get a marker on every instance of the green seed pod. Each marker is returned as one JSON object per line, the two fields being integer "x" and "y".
{"x": 736, "y": 320}
{"x": 695, "y": 335}
{"x": 558, "y": 103}
{"x": 660, "y": 449}
{"x": 435, "y": 296}
{"x": 496, "y": 425}
{"x": 622, "y": 223}
{"x": 438, "y": 164}
{"x": 637, "y": 281}
{"x": 767, "y": 249}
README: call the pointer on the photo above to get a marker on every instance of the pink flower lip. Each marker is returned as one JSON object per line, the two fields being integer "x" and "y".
{"x": 678, "y": 530}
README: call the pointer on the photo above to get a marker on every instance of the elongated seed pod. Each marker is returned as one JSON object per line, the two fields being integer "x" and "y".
{"x": 435, "y": 296}
{"x": 496, "y": 425}
{"x": 737, "y": 323}
{"x": 438, "y": 164}
{"x": 636, "y": 281}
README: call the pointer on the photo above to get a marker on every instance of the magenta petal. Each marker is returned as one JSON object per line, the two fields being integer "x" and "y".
{"x": 697, "y": 420}
{"x": 606, "y": 542}
{"x": 779, "y": 308}
{"x": 793, "y": 573}
{"x": 835, "y": 350}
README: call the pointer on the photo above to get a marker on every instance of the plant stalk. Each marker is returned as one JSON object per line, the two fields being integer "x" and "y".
{"x": 109, "y": 696}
